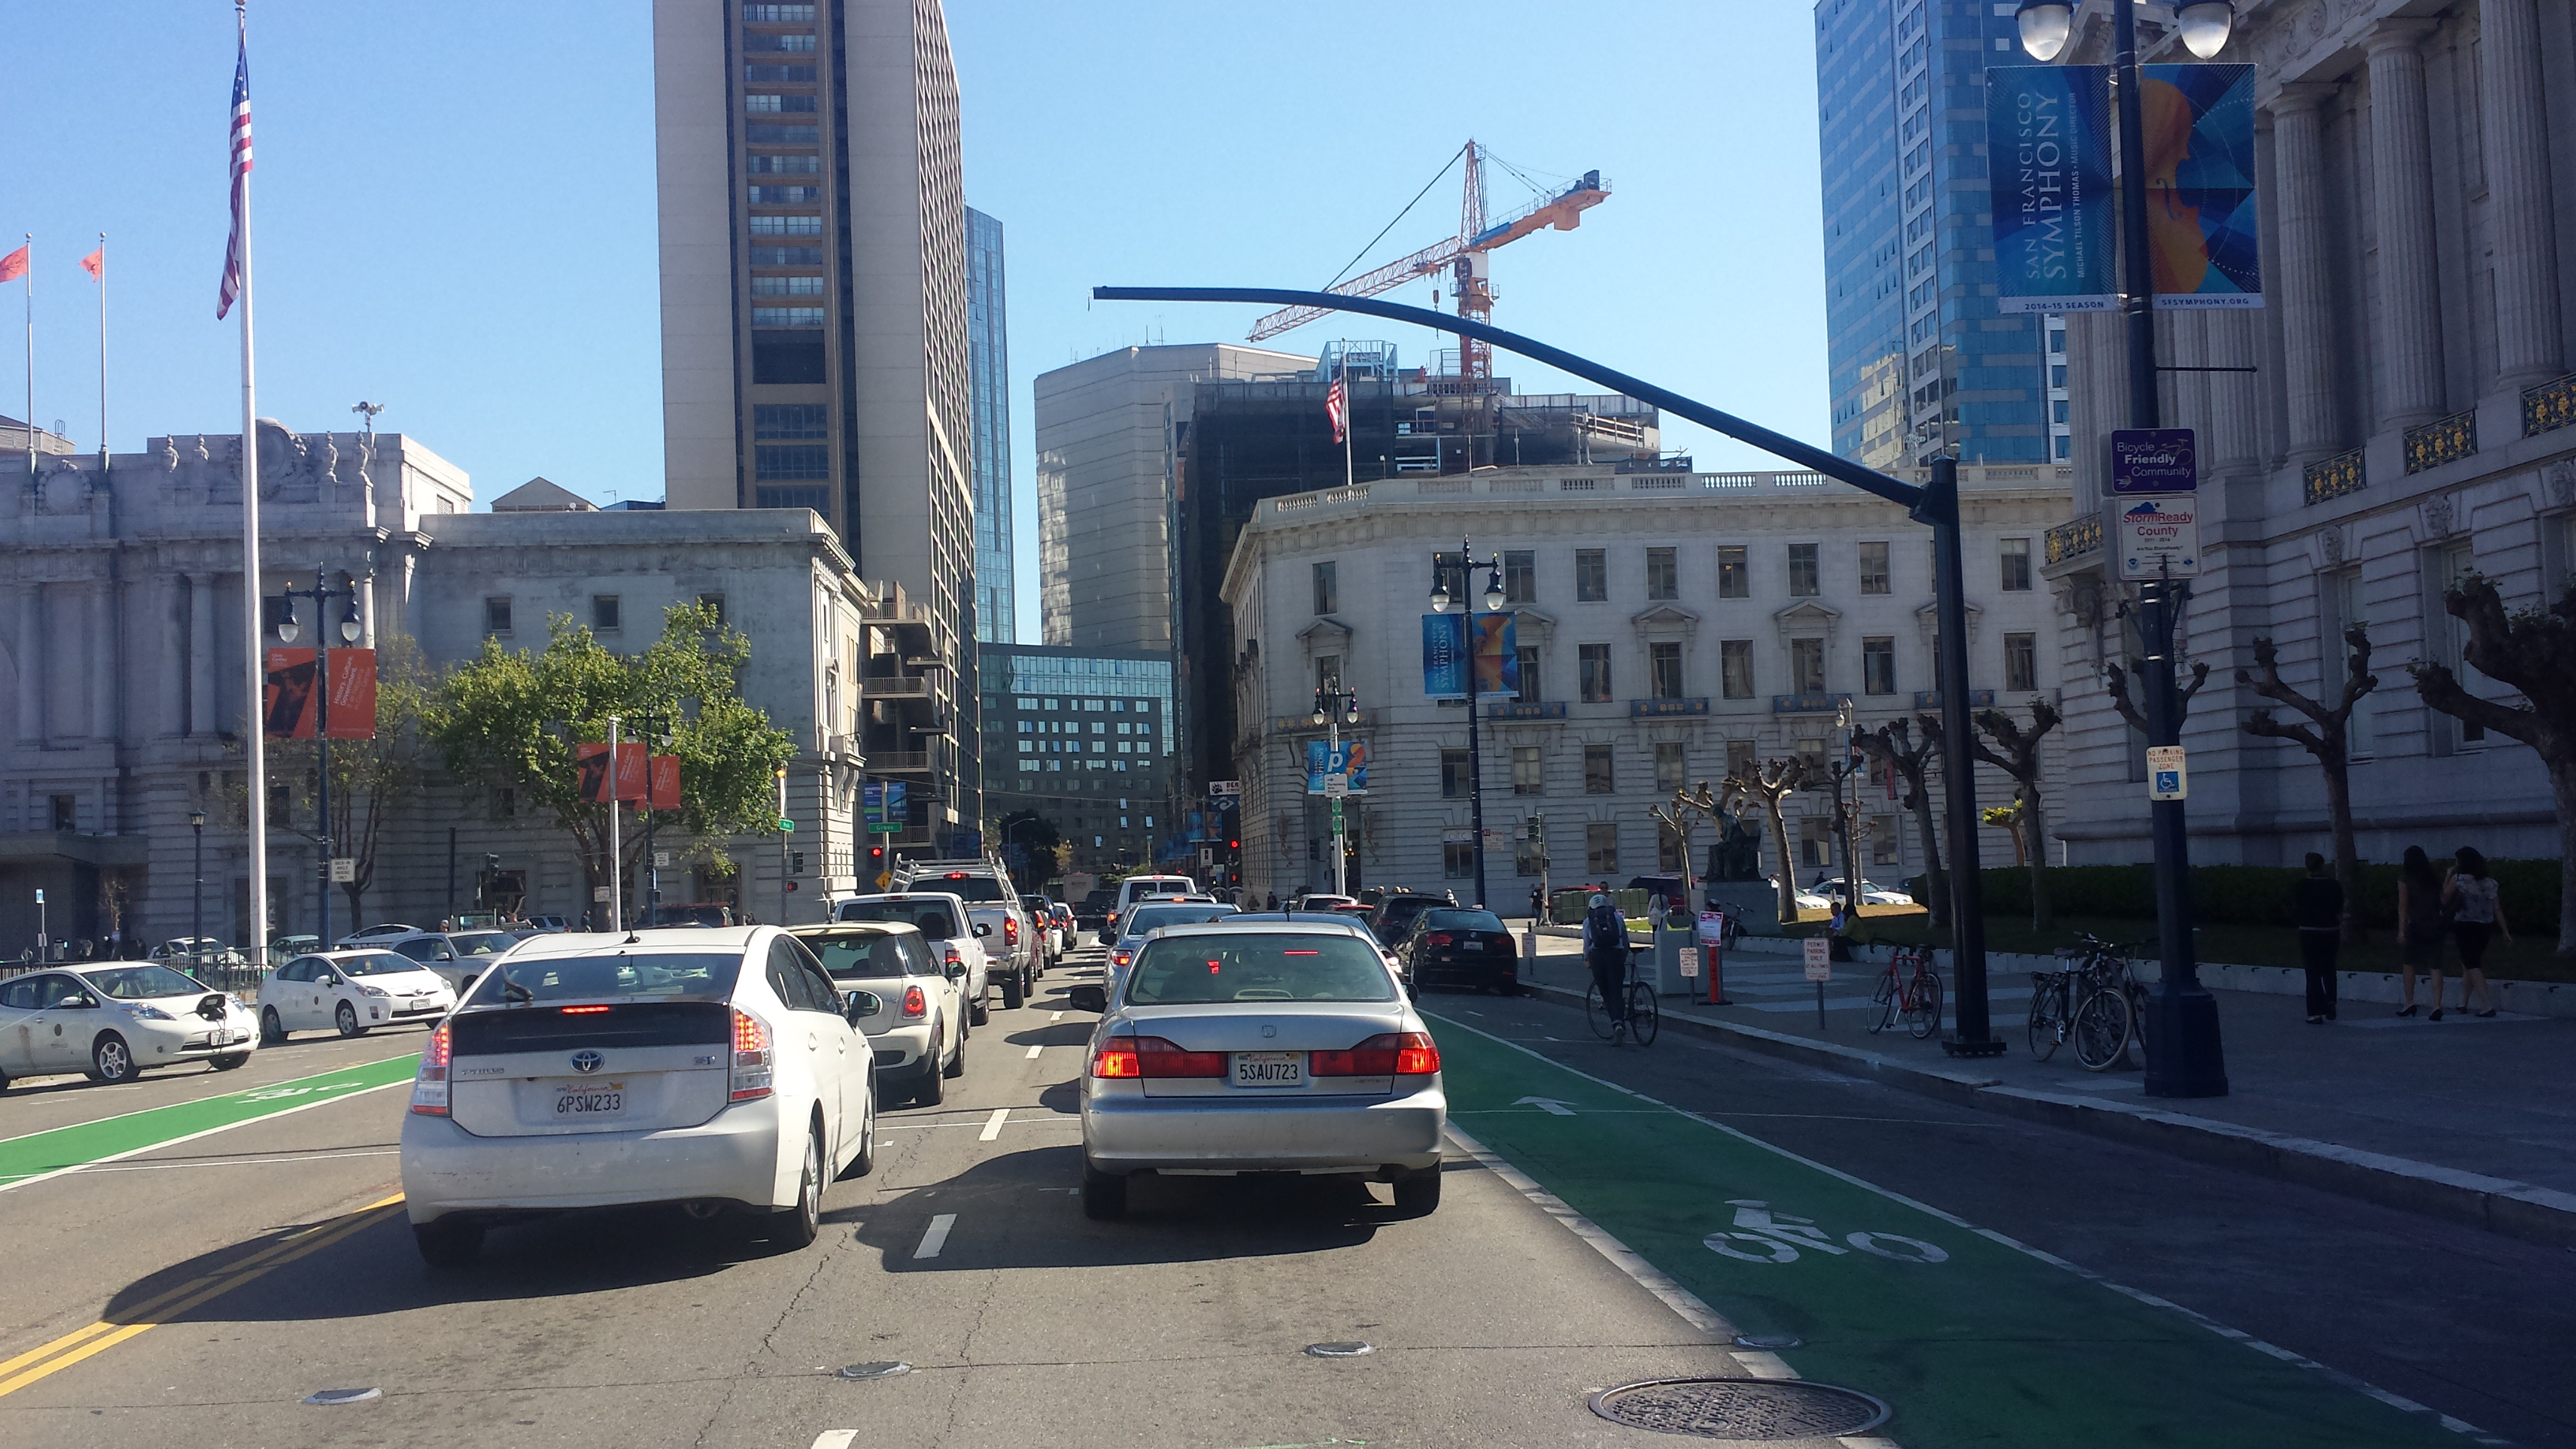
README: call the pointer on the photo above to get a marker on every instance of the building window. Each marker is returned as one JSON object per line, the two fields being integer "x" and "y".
{"x": 786, "y": 316}
{"x": 1663, "y": 574}
{"x": 2065, "y": 446}
{"x": 604, "y": 614}
{"x": 1595, "y": 659}
{"x": 771, "y": 105}
{"x": 1734, "y": 576}
{"x": 1671, "y": 852}
{"x": 1884, "y": 842}
{"x": 778, "y": 14}
{"x": 1529, "y": 776}
{"x": 1878, "y": 666}
{"x": 809, "y": 495}
{"x": 1806, "y": 666}
{"x": 1668, "y": 767}
{"x": 1520, "y": 576}
{"x": 791, "y": 44}
{"x": 714, "y": 603}
{"x": 790, "y": 461}
{"x": 786, "y": 226}
{"x": 1873, "y": 568}
{"x": 1815, "y": 841}
{"x": 2016, "y": 565}
{"x": 1742, "y": 761}
{"x": 784, "y": 195}
{"x": 787, "y": 286}
{"x": 1328, "y": 675}
{"x": 2021, "y": 663}
{"x": 1601, "y": 847}
{"x": 1591, "y": 575}
{"x": 1806, "y": 579}
{"x": 1530, "y": 691}
{"x": 1525, "y": 857}
{"x": 1735, "y": 668}
{"x": 2057, "y": 374}
{"x": 1455, "y": 777}
{"x": 1598, "y": 776}
{"x": 496, "y": 617}
{"x": 66, "y": 812}
{"x": 1664, "y": 670}
{"x": 1328, "y": 591}
{"x": 786, "y": 256}
{"x": 1458, "y": 859}
{"x": 783, "y": 165}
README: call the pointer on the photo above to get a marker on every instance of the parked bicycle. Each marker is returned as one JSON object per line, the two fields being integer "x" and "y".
{"x": 1909, "y": 990}
{"x": 1643, "y": 1020}
{"x": 2094, "y": 1001}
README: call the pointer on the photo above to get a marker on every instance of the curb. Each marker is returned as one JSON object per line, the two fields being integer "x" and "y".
{"x": 2499, "y": 1205}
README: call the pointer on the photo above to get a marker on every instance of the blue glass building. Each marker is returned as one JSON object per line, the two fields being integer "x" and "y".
{"x": 988, "y": 363}
{"x": 1921, "y": 361}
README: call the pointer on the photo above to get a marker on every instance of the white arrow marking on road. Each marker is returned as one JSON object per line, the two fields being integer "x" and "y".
{"x": 1033, "y": 1052}
{"x": 936, "y": 1237}
{"x": 836, "y": 1439}
{"x": 1059, "y": 1016}
{"x": 1549, "y": 1105}
{"x": 993, "y": 1124}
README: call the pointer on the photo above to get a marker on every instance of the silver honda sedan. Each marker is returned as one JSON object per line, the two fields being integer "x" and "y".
{"x": 1233, "y": 1048}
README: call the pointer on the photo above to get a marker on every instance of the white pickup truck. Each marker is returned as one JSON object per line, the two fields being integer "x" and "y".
{"x": 991, "y": 901}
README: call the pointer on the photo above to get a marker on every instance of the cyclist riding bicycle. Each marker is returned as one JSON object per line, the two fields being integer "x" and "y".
{"x": 1605, "y": 950}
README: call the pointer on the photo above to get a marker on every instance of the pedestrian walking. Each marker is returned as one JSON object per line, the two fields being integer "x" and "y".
{"x": 2419, "y": 924}
{"x": 2316, "y": 907}
{"x": 1605, "y": 950}
{"x": 2476, "y": 910}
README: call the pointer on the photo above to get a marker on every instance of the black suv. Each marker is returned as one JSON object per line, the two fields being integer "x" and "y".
{"x": 1396, "y": 911}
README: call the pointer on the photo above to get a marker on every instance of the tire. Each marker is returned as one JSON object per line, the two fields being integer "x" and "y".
{"x": 866, "y": 1161}
{"x": 1104, "y": 1195}
{"x": 4, "y": 1082}
{"x": 956, "y": 1065}
{"x": 229, "y": 1063}
{"x": 1884, "y": 999}
{"x": 1925, "y": 1018}
{"x": 977, "y": 1012}
{"x": 271, "y": 1032}
{"x": 112, "y": 1061}
{"x": 1593, "y": 1015}
{"x": 449, "y": 1243}
{"x": 1417, "y": 1192}
{"x": 2102, "y": 1026}
{"x": 2047, "y": 1018}
{"x": 932, "y": 1091}
{"x": 797, "y": 1227}
{"x": 346, "y": 1019}
{"x": 1645, "y": 1018}
{"x": 1014, "y": 991}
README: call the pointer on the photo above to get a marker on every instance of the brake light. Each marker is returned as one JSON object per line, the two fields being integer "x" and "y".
{"x": 1389, "y": 1054}
{"x": 1121, "y": 958}
{"x": 583, "y": 1010}
{"x": 1161, "y": 1058}
{"x": 957, "y": 875}
{"x": 1117, "y": 1058}
{"x": 915, "y": 1005}
{"x": 953, "y": 958}
{"x": 1417, "y": 1055}
{"x": 1439, "y": 938}
{"x": 1011, "y": 930}
{"x": 751, "y": 1060}
{"x": 429, "y": 1085}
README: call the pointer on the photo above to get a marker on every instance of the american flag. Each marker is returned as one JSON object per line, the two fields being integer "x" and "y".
{"x": 234, "y": 262}
{"x": 1337, "y": 408}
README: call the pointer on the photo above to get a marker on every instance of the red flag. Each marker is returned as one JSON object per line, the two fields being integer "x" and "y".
{"x": 14, "y": 265}
{"x": 665, "y": 792}
{"x": 96, "y": 265}
{"x": 592, "y": 760}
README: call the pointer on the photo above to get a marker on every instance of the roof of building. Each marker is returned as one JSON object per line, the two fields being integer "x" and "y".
{"x": 538, "y": 495}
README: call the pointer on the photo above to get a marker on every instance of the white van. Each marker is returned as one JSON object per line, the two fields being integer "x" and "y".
{"x": 1135, "y": 888}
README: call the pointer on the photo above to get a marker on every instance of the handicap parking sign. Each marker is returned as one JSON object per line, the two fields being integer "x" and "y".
{"x": 2166, "y": 779}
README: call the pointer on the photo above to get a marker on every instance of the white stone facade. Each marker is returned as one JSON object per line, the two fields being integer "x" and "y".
{"x": 1831, "y": 582}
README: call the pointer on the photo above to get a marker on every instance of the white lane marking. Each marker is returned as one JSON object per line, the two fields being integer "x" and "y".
{"x": 246, "y": 1161}
{"x": 993, "y": 1124}
{"x": 1033, "y": 1051}
{"x": 2334, "y": 1375}
{"x": 838, "y": 1439}
{"x": 1765, "y": 1365}
{"x": 1059, "y": 1016}
{"x": 1549, "y": 1105}
{"x": 935, "y": 1237}
{"x": 193, "y": 1136}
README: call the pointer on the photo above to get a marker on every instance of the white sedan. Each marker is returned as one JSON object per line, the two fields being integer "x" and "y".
{"x": 716, "y": 1069}
{"x": 111, "y": 1021}
{"x": 350, "y": 992}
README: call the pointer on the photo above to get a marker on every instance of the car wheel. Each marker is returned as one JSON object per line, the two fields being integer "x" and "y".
{"x": 866, "y": 1161}
{"x": 347, "y": 1019}
{"x": 1417, "y": 1193}
{"x": 1104, "y": 1195}
{"x": 1014, "y": 990}
{"x": 112, "y": 1061}
{"x": 956, "y": 1064}
{"x": 271, "y": 1031}
{"x": 977, "y": 1013}
{"x": 933, "y": 1090}
{"x": 798, "y": 1226}
{"x": 227, "y": 1063}
{"x": 4, "y": 1081}
{"x": 448, "y": 1243}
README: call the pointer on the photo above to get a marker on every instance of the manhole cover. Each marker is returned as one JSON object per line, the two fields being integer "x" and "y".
{"x": 1740, "y": 1408}
{"x": 881, "y": 1369}
{"x": 343, "y": 1396}
{"x": 1350, "y": 1348}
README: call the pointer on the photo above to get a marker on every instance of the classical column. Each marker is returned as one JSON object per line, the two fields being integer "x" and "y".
{"x": 201, "y": 655}
{"x": 2306, "y": 290}
{"x": 2510, "y": 116}
{"x": 102, "y": 662}
{"x": 2409, "y": 340}
{"x": 31, "y": 663}
{"x": 2234, "y": 444}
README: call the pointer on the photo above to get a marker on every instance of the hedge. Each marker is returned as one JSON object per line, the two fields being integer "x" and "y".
{"x": 2249, "y": 895}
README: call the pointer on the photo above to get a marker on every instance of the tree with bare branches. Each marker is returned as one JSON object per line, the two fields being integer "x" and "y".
{"x": 2117, "y": 680}
{"x": 1770, "y": 784}
{"x": 2532, "y": 651}
{"x": 2019, "y": 758}
{"x": 1892, "y": 747}
{"x": 2327, "y": 736}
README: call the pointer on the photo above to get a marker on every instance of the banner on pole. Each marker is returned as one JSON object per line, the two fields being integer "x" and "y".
{"x": 2201, "y": 229}
{"x": 664, "y": 792}
{"x": 1446, "y": 642}
{"x": 1498, "y": 659}
{"x": 1444, "y": 656}
{"x": 288, "y": 709}
{"x": 2048, "y": 133}
{"x": 1349, "y": 760}
{"x": 632, "y": 771}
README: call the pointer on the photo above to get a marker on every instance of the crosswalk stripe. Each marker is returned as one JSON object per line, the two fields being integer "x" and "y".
{"x": 935, "y": 1237}
{"x": 993, "y": 1124}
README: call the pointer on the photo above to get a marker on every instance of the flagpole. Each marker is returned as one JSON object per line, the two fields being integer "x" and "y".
{"x": 102, "y": 354}
{"x": 1350, "y": 418}
{"x": 254, "y": 677}
{"x": 30, "y": 279}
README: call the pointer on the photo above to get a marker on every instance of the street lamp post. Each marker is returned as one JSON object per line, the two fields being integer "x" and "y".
{"x": 197, "y": 891}
{"x": 351, "y": 629}
{"x": 2184, "y": 1055}
{"x": 1336, "y": 706}
{"x": 1468, "y": 563}
{"x": 1843, "y": 770}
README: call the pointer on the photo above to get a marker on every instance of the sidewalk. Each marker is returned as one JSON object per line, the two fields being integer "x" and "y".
{"x": 2472, "y": 1120}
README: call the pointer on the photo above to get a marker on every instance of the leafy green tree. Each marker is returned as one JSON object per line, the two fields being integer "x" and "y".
{"x": 512, "y": 719}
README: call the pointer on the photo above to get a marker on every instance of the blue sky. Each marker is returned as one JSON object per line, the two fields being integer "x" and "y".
{"x": 454, "y": 203}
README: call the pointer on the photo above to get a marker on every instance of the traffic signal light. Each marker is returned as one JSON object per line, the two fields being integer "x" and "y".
{"x": 795, "y": 862}
{"x": 876, "y": 855}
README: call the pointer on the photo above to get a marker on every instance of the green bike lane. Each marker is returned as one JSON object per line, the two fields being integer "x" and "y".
{"x": 36, "y": 1156}
{"x": 1972, "y": 1338}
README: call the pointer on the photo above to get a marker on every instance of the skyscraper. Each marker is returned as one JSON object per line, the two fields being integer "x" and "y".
{"x": 814, "y": 299}
{"x": 1921, "y": 361}
{"x": 988, "y": 355}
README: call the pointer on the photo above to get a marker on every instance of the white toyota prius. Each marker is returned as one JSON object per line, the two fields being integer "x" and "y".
{"x": 717, "y": 1070}
{"x": 350, "y": 992}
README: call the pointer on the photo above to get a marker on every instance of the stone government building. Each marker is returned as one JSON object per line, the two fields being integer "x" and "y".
{"x": 121, "y": 669}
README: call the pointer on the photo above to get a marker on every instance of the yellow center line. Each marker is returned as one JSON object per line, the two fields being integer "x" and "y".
{"x": 99, "y": 1337}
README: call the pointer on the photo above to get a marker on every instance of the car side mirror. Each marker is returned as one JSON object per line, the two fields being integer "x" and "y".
{"x": 956, "y": 970}
{"x": 326, "y": 980}
{"x": 444, "y": 956}
{"x": 1088, "y": 998}
{"x": 983, "y": 928}
{"x": 860, "y": 1004}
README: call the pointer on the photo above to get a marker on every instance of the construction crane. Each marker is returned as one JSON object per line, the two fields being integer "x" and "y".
{"x": 1465, "y": 257}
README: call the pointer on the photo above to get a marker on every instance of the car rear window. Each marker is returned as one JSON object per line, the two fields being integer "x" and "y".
{"x": 862, "y": 955}
{"x": 1270, "y": 966}
{"x": 483, "y": 943}
{"x": 660, "y": 975}
{"x": 981, "y": 889}
{"x": 934, "y": 917}
{"x": 1154, "y": 918}
{"x": 377, "y": 963}
{"x": 1463, "y": 921}
{"x": 137, "y": 983}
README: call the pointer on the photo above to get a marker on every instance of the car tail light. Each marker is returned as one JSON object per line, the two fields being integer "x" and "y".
{"x": 1161, "y": 1058}
{"x": 429, "y": 1086}
{"x": 953, "y": 958}
{"x": 1011, "y": 930}
{"x": 1389, "y": 1054}
{"x": 915, "y": 1005}
{"x": 1416, "y": 1055}
{"x": 1439, "y": 938}
{"x": 1117, "y": 1057}
{"x": 751, "y": 1060}
{"x": 1121, "y": 958}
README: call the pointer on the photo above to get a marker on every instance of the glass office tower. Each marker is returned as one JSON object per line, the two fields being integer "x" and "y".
{"x": 988, "y": 363}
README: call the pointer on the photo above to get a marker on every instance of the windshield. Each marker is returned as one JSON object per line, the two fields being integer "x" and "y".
{"x": 1270, "y": 966}
{"x": 662, "y": 975}
{"x": 861, "y": 955}
{"x": 1154, "y": 918}
{"x": 933, "y": 916}
{"x": 1463, "y": 921}
{"x": 981, "y": 889}
{"x": 376, "y": 963}
{"x": 482, "y": 943}
{"x": 136, "y": 983}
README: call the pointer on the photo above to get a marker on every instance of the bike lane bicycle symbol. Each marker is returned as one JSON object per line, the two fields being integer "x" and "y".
{"x": 1780, "y": 1237}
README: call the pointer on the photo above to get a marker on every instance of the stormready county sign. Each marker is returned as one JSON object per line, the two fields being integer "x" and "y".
{"x": 2154, "y": 460}
{"x": 2159, "y": 537}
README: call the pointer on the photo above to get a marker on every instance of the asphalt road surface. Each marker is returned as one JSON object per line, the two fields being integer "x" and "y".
{"x": 193, "y": 1256}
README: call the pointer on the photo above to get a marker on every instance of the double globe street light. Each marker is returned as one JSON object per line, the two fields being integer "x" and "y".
{"x": 1467, "y": 564}
{"x": 351, "y": 630}
{"x": 2046, "y": 25}
{"x": 1335, "y": 707}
